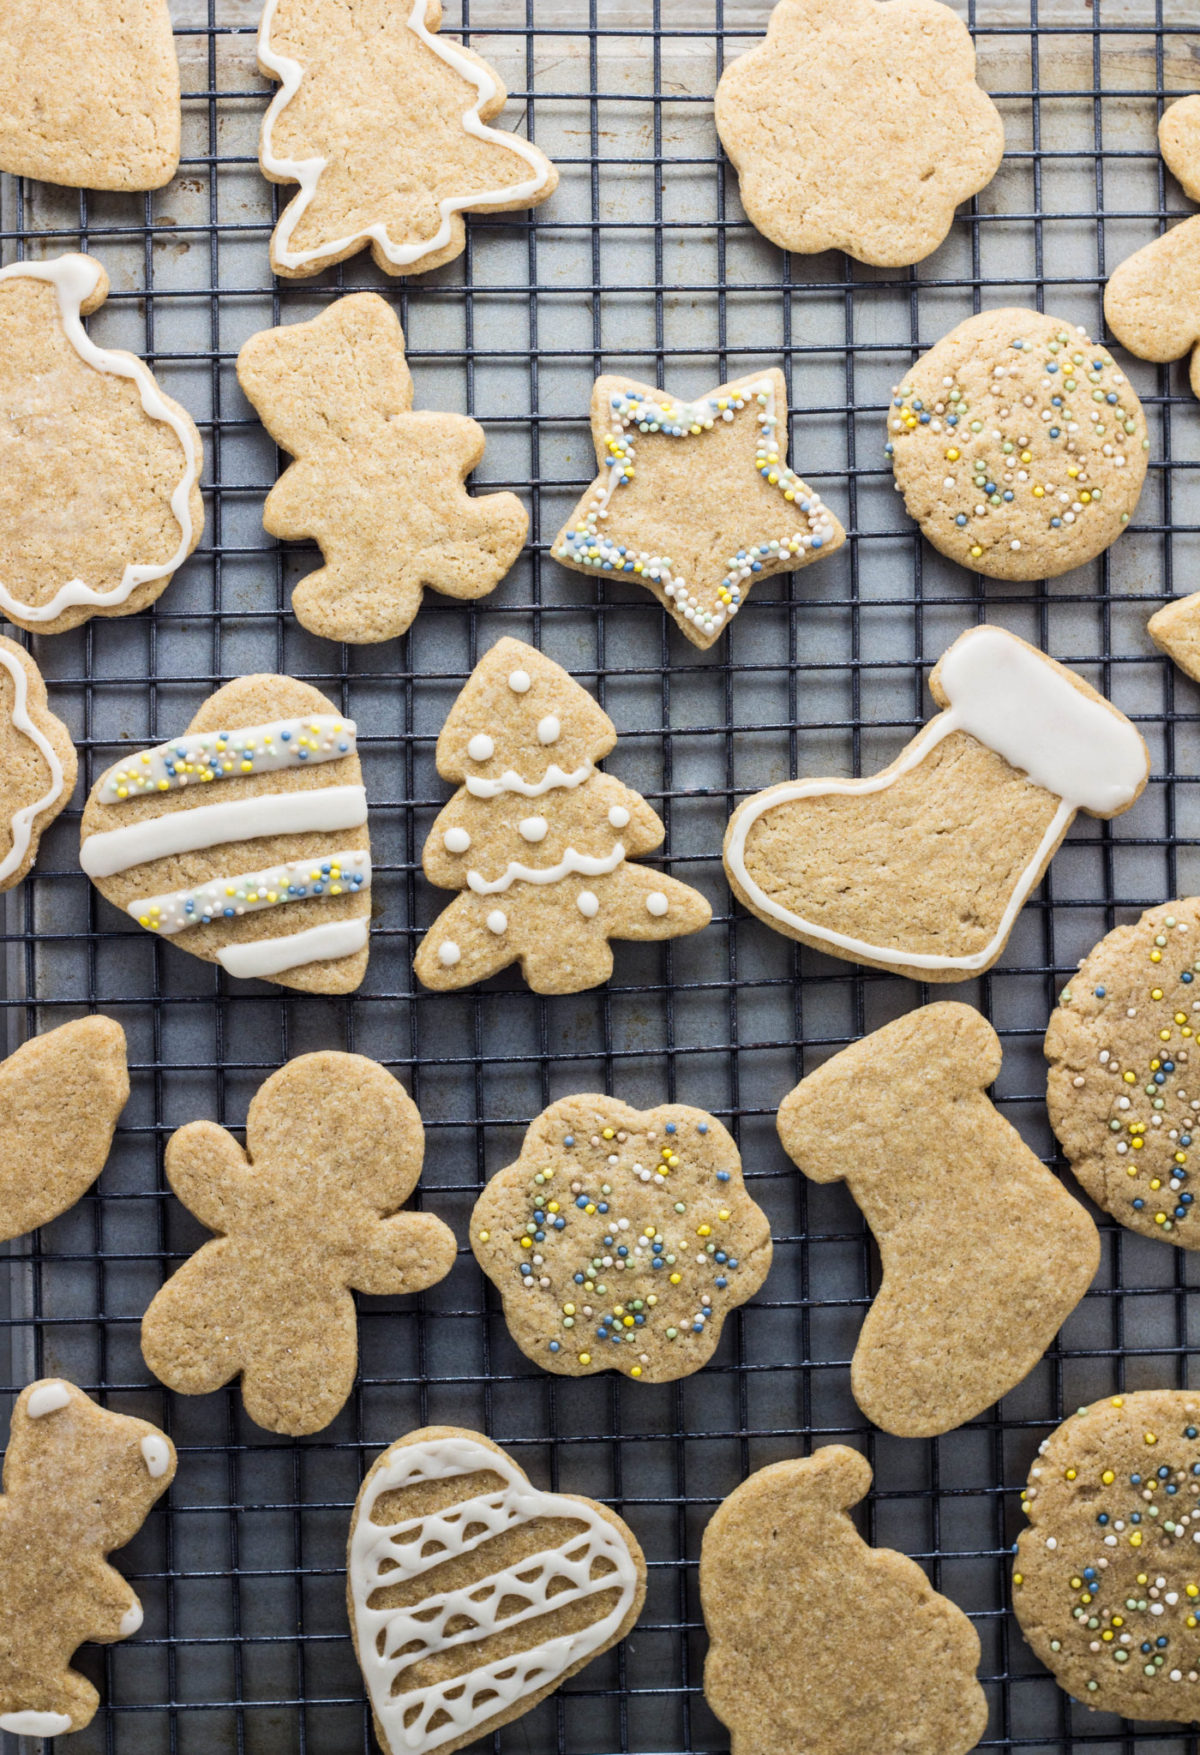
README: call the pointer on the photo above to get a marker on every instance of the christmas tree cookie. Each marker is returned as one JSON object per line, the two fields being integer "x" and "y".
{"x": 821, "y": 1644}
{"x": 967, "y": 1218}
{"x": 399, "y": 164}
{"x": 923, "y": 868}
{"x": 539, "y": 841}
{"x": 381, "y": 488}
{"x": 695, "y": 500}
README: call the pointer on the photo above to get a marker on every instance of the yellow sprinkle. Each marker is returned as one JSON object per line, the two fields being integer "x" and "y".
{"x": 1108, "y": 1477}
{"x": 704, "y": 1230}
{"x": 1018, "y": 1578}
{"x": 608, "y": 1134}
{"x": 1157, "y": 993}
{"x": 1151, "y": 1438}
{"x": 724, "y": 1213}
{"x": 1156, "y": 956}
{"x": 1072, "y": 1474}
{"x": 675, "y": 1279}
{"x": 527, "y": 1243}
{"x": 585, "y": 1358}
{"x": 485, "y": 1236}
{"x": 1135, "y": 1540}
{"x": 636, "y": 1372}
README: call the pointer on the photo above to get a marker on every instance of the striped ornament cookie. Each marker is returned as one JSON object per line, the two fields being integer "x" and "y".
{"x": 245, "y": 838}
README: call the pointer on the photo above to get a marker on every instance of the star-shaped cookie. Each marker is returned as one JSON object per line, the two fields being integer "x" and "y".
{"x": 695, "y": 500}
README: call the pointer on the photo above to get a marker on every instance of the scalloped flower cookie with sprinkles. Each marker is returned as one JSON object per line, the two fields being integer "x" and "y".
{"x": 620, "y": 1240}
{"x": 244, "y": 839}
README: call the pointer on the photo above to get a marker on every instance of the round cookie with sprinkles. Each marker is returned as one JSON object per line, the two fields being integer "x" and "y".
{"x": 1019, "y": 445}
{"x": 1124, "y": 1084}
{"x": 620, "y": 1240}
{"x": 1107, "y": 1578}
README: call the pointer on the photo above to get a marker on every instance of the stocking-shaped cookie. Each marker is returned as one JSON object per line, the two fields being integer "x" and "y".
{"x": 923, "y": 868}
{"x": 382, "y": 122}
{"x": 78, "y": 1482}
{"x": 984, "y": 1253}
{"x": 822, "y": 1645}
{"x": 379, "y": 487}
{"x": 537, "y": 839}
{"x": 333, "y": 1147}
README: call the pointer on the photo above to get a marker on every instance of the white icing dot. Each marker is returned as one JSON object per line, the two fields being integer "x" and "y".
{"x": 618, "y": 816}
{"x": 47, "y": 1398}
{"x": 497, "y": 920}
{"x": 519, "y": 682}
{"x": 588, "y": 904}
{"x": 534, "y": 828}
{"x": 155, "y": 1455}
{"x": 481, "y": 748}
{"x": 448, "y": 953}
{"x": 549, "y": 729}
{"x": 130, "y": 1621}
{"x": 656, "y": 903}
{"x": 456, "y": 840}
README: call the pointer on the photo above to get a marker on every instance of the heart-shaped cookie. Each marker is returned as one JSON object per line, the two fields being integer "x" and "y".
{"x": 472, "y": 1593}
{"x": 245, "y": 838}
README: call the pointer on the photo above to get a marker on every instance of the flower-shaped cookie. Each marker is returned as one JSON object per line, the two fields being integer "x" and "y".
{"x": 621, "y": 1240}
{"x": 858, "y": 126}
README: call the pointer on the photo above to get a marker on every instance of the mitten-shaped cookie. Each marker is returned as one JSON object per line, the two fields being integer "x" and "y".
{"x": 984, "y": 1253}
{"x": 923, "y": 868}
{"x": 539, "y": 841}
{"x": 472, "y": 1593}
{"x": 822, "y": 1645}
{"x": 78, "y": 1482}
{"x": 60, "y": 1096}
{"x": 333, "y": 1147}
{"x": 379, "y": 487}
{"x": 382, "y": 122}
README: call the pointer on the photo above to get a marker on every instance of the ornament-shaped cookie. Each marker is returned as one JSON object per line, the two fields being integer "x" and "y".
{"x": 244, "y": 839}
{"x": 538, "y": 840}
{"x": 379, "y": 487}
{"x": 803, "y": 1618}
{"x": 620, "y": 1240}
{"x": 60, "y": 1096}
{"x": 695, "y": 500}
{"x": 79, "y": 1481}
{"x": 984, "y": 1253}
{"x": 308, "y": 1211}
{"x": 1107, "y": 1580}
{"x": 839, "y": 89}
{"x": 89, "y": 93}
{"x": 398, "y": 165}
{"x": 37, "y": 763}
{"x": 1123, "y": 1091}
{"x": 99, "y": 471}
{"x": 472, "y": 1593}
{"x": 923, "y": 868}
{"x": 1019, "y": 445}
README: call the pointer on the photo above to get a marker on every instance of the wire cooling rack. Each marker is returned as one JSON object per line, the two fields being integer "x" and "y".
{"x": 642, "y": 263}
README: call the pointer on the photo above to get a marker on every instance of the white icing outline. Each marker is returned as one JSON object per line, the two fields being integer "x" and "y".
{"x": 74, "y": 278}
{"x": 307, "y": 172}
{"x": 35, "y": 1724}
{"x": 552, "y": 780}
{"x": 582, "y": 864}
{"x": 508, "y": 1680}
{"x": 322, "y": 809}
{"x": 264, "y": 957}
{"x": 156, "y": 1454}
{"x": 354, "y": 862}
{"x": 21, "y": 825}
{"x": 47, "y": 1398}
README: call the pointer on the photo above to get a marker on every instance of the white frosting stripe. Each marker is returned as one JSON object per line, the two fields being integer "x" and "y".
{"x": 35, "y": 1724}
{"x": 264, "y": 957}
{"x": 197, "y": 758}
{"x": 582, "y": 864}
{"x": 21, "y": 826}
{"x": 552, "y": 780}
{"x": 388, "y": 1554}
{"x": 323, "y": 808}
{"x": 74, "y": 279}
{"x": 307, "y": 172}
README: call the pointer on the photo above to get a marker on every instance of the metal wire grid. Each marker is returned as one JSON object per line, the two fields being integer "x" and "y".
{"x": 244, "y": 1645}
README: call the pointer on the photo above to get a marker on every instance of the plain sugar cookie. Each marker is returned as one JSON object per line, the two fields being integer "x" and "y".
{"x": 860, "y": 127}
{"x": 1175, "y": 630}
{"x": 1179, "y": 143}
{"x": 1019, "y": 445}
{"x": 1152, "y": 301}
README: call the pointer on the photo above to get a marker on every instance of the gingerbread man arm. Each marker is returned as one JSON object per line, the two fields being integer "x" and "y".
{"x": 405, "y": 1253}
{"x": 208, "y": 1171}
{"x": 111, "y": 1600}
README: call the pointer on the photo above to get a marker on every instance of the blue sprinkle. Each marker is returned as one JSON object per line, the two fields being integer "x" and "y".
{"x": 1100, "y": 992}
{"x": 702, "y": 1127}
{"x": 570, "y": 1140}
{"x": 722, "y": 1176}
{"x": 670, "y": 1127}
{"x": 554, "y": 1346}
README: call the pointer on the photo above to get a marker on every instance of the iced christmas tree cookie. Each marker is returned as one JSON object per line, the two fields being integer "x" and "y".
{"x": 397, "y": 166}
{"x": 923, "y": 868}
{"x": 966, "y": 1217}
{"x": 620, "y": 1240}
{"x": 99, "y": 471}
{"x": 1106, "y": 1581}
{"x": 89, "y": 93}
{"x": 1124, "y": 1085}
{"x": 1019, "y": 445}
{"x": 695, "y": 500}
{"x": 540, "y": 843}
{"x": 820, "y": 1643}
{"x": 381, "y": 488}
{"x": 840, "y": 88}
{"x": 244, "y": 838}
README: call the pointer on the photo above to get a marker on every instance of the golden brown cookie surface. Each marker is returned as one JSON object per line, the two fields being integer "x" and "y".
{"x": 1175, "y": 630}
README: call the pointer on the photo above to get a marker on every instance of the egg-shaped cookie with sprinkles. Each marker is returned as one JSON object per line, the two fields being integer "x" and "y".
{"x": 1106, "y": 1584}
{"x": 1019, "y": 445}
{"x": 244, "y": 839}
{"x": 620, "y": 1240}
{"x": 1124, "y": 1085}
